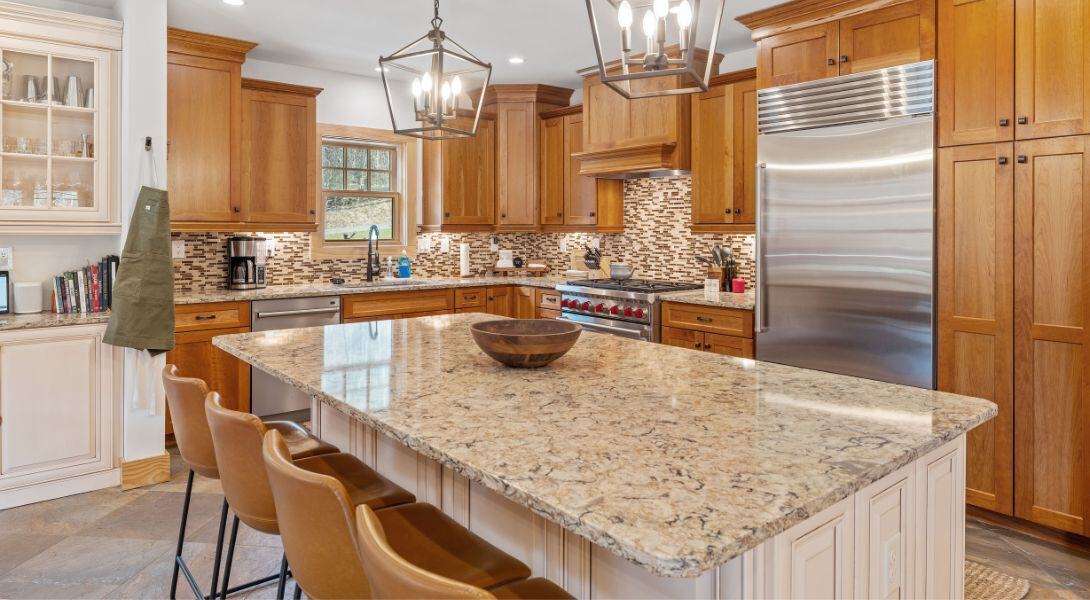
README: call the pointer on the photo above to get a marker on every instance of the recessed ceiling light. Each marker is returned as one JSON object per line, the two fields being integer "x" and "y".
{"x": 234, "y": 2}
{"x": 516, "y": 60}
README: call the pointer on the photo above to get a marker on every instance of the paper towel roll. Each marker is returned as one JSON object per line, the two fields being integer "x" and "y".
{"x": 463, "y": 260}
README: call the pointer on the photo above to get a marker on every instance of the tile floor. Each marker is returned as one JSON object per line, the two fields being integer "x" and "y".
{"x": 114, "y": 544}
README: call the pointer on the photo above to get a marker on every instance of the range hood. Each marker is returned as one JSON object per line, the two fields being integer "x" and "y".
{"x": 635, "y": 161}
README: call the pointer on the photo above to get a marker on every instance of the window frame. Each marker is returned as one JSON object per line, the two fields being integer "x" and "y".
{"x": 405, "y": 182}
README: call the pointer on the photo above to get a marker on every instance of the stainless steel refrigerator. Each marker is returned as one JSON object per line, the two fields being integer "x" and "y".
{"x": 845, "y": 225}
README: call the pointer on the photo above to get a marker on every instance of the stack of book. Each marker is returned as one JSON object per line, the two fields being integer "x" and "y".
{"x": 86, "y": 290}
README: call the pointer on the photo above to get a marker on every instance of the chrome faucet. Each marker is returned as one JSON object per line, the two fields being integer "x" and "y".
{"x": 374, "y": 267}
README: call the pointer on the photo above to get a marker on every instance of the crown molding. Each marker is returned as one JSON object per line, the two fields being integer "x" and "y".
{"x": 59, "y": 26}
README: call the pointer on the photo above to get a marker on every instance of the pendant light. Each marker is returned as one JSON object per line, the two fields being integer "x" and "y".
{"x": 671, "y": 48}
{"x": 447, "y": 86}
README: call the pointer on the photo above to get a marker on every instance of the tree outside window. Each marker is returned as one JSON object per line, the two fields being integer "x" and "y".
{"x": 359, "y": 189}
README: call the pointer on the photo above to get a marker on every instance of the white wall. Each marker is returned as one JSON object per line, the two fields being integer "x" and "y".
{"x": 736, "y": 61}
{"x": 100, "y": 10}
{"x": 143, "y": 113}
{"x": 346, "y": 99}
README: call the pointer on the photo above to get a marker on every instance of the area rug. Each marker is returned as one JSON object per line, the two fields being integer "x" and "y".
{"x": 985, "y": 583}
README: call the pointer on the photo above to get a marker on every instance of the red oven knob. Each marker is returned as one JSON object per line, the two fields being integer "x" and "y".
{"x": 586, "y": 305}
{"x": 600, "y": 308}
{"x": 615, "y": 310}
{"x": 563, "y": 303}
{"x": 628, "y": 311}
{"x": 638, "y": 313}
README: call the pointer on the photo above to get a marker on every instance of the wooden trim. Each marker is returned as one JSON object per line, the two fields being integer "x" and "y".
{"x": 145, "y": 471}
{"x": 724, "y": 228}
{"x": 528, "y": 92}
{"x": 276, "y": 86}
{"x": 798, "y": 14}
{"x": 734, "y": 76}
{"x": 181, "y": 41}
{"x": 574, "y": 109}
{"x": 237, "y": 226}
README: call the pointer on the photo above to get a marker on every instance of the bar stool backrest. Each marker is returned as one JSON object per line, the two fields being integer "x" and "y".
{"x": 392, "y": 576}
{"x": 185, "y": 398}
{"x": 315, "y": 525}
{"x": 237, "y": 440}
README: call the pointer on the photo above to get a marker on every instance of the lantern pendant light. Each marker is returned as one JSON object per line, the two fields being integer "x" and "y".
{"x": 446, "y": 93}
{"x": 671, "y": 47}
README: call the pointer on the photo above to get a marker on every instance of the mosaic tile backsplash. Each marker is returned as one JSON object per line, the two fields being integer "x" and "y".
{"x": 657, "y": 242}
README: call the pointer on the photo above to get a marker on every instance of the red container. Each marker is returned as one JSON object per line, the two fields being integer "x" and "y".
{"x": 737, "y": 285}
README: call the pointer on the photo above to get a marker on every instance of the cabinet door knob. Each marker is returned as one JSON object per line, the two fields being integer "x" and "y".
{"x": 1023, "y": 120}
{"x": 312, "y": 212}
{"x": 1004, "y": 122}
{"x": 737, "y": 211}
{"x": 503, "y": 215}
{"x": 592, "y": 214}
{"x": 235, "y": 208}
{"x": 843, "y": 58}
{"x": 831, "y": 62}
{"x": 1002, "y": 160}
{"x": 446, "y": 214}
{"x": 1023, "y": 159}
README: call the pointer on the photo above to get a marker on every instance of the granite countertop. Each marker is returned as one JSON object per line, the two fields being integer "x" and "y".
{"x": 745, "y": 301}
{"x": 13, "y": 322}
{"x": 677, "y": 473}
{"x": 305, "y": 290}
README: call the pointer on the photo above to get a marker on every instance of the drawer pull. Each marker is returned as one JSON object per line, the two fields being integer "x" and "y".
{"x": 206, "y": 317}
{"x": 704, "y": 319}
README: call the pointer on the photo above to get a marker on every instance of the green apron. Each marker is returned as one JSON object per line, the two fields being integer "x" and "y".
{"x": 143, "y": 296}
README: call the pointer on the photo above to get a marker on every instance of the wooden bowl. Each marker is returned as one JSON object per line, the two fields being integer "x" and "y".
{"x": 525, "y": 343}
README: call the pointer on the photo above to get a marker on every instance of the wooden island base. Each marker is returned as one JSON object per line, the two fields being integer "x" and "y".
{"x": 902, "y": 536}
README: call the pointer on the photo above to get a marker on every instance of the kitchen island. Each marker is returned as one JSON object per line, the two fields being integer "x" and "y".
{"x": 631, "y": 469}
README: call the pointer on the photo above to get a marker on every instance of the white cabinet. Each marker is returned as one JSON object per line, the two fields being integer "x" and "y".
{"x": 940, "y": 538}
{"x": 884, "y": 536}
{"x": 59, "y": 122}
{"x": 814, "y": 558}
{"x": 59, "y": 403}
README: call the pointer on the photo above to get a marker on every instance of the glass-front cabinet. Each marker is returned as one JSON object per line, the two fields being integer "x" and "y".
{"x": 57, "y": 134}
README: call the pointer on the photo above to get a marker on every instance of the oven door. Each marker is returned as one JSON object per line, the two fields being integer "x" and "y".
{"x": 634, "y": 331}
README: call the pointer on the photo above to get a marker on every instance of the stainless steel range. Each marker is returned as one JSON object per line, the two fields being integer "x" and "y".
{"x": 628, "y": 308}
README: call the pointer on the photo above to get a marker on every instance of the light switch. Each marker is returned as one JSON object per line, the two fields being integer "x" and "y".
{"x": 6, "y": 261}
{"x": 493, "y": 245}
{"x": 563, "y": 245}
{"x": 177, "y": 249}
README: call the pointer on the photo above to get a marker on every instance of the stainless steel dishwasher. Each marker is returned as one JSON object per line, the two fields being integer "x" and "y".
{"x": 268, "y": 395}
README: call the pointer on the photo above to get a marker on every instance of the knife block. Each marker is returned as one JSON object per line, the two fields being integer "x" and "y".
{"x": 720, "y": 274}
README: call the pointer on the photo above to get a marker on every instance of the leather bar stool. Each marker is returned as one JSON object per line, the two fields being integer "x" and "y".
{"x": 185, "y": 398}
{"x": 237, "y": 440}
{"x": 331, "y": 559}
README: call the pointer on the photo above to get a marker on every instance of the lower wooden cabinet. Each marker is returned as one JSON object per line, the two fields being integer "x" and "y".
{"x": 501, "y": 301}
{"x": 397, "y": 316}
{"x": 525, "y": 302}
{"x": 58, "y": 436}
{"x": 377, "y": 305}
{"x": 720, "y": 330}
{"x": 710, "y": 342}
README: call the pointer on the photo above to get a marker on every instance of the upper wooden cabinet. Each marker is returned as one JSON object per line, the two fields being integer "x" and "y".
{"x": 725, "y": 154}
{"x": 809, "y": 39}
{"x": 975, "y": 71}
{"x": 460, "y": 181}
{"x": 204, "y": 129}
{"x": 635, "y": 136}
{"x": 516, "y": 109}
{"x": 569, "y": 201}
{"x": 280, "y": 149}
{"x": 1052, "y": 68}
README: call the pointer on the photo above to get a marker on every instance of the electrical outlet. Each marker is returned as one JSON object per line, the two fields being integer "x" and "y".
{"x": 493, "y": 245}
{"x": 444, "y": 244}
{"x": 563, "y": 245}
{"x": 595, "y": 243}
{"x": 177, "y": 249}
{"x": 270, "y": 247}
{"x": 6, "y": 260}
{"x": 423, "y": 243}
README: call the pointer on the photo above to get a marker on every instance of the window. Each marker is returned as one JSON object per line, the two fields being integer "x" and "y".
{"x": 366, "y": 177}
{"x": 359, "y": 190}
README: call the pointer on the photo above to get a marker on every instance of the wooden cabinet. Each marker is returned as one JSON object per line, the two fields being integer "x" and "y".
{"x": 798, "y": 56}
{"x": 516, "y": 108}
{"x": 525, "y": 302}
{"x": 204, "y": 129}
{"x": 846, "y": 40}
{"x": 1051, "y": 316}
{"x": 976, "y": 306}
{"x": 194, "y": 327}
{"x": 58, "y": 435}
{"x": 500, "y": 301}
{"x": 460, "y": 181}
{"x": 465, "y": 298}
{"x": 570, "y": 201}
{"x": 725, "y": 154}
{"x": 385, "y": 304}
{"x": 1052, "y": 68}
{"x": 548, "y": 304}
{"x": 719, "y": 330}
{"x": 975, "y": 71}
{"x": 279, "y": 154}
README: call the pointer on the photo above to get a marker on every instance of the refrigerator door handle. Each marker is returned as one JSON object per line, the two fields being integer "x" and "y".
{"x": 758, "y": 252}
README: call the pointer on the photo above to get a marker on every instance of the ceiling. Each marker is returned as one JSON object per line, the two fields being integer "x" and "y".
{"x": 553, "y": 36}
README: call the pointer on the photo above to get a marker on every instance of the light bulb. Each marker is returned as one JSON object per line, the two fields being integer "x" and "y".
{"x": 445, "y": 91}
{"x": 684, "y": 14}
{"x": 417, "y": 90}
{"x": 624, "y": 15}
{"x": 650, "y": 24}
{"x": 662, "y": 8}
{"x": 425, "y": 83}
{"x": 456, "y": 85}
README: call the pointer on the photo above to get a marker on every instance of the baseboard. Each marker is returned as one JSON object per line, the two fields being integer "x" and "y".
{"x": 60, "y": 488}
{"x": 1071, "y": 541}
{"x": 145, "y": 471}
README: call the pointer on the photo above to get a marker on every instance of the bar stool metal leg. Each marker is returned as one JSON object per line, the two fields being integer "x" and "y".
{"x": 230, "y": 557}
{"x": 282, "y": 584}
{"x": 219, "y": 551}
{"x": 298, "y": 592}
{"x": 181, "y": 536}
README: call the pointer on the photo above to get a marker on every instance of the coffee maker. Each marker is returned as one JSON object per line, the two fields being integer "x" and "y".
{"x": 246, "y": 263}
